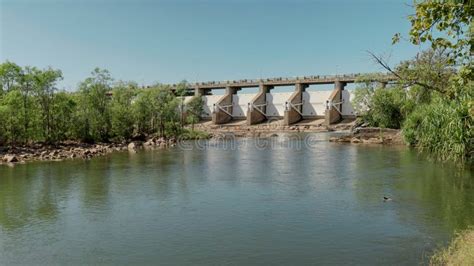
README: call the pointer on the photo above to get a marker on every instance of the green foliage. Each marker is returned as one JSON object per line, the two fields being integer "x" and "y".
{"x": 12, "y": 117}
{"x": 442, "y": 128}
{"x": 44, "y": 91}
{"x": 93, "y": 118}
{"x": 426, "y": 72}
{"x": 379, "y": 106}
{"x": 386, "y": 108}
{"x": 63, "y": 108}
{"x": 156, "y": 110}
{"x": 122, "y": 115}
{"x": 445, "y": 24}
{"x": 32, "y": 109}
{"x": 194, "y": 109}
{"x": 10, "y": 74}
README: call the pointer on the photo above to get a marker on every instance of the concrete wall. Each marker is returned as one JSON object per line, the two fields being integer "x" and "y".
{"x": 240, "y": 104}
{"x": 209, "y": 102}
{"x": 276, "y": 103}
{"x": 315, "y": 103}
{"x": 347, "y": 108}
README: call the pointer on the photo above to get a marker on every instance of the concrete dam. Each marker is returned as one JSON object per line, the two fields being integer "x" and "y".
{"x": 333, "y": 104}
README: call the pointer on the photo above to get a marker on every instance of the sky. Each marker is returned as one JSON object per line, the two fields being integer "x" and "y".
{"x": 169, "y": 41}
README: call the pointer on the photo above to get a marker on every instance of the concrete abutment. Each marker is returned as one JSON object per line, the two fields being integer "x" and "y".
{"x": 256, "y": 112}
{"x": 294, "y": 106}
{"x": 222, "y": 112}
{"x": 334, "y": 104}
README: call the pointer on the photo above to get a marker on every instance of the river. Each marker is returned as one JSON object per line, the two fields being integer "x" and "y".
{"x": 285, "y": 200}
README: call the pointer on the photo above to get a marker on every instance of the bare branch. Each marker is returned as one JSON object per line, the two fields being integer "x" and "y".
{"x": 379, "y": 60}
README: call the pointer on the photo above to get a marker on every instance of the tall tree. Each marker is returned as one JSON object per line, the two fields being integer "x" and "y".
{"x": 94, "y": 106}
{"x": 194, "y": 109}
{"x": 122, "y": 115}
{"x": 45, "y": 89}
{"x": 10, "y": 74}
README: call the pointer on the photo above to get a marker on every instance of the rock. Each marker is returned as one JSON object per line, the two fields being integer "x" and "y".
{"x": 10, "y": 158}
{"x": 373, "y": 141}
{"x": 149, "y": 142}
{"x": 355, "y": 140}
{"x": 132, "y": 146}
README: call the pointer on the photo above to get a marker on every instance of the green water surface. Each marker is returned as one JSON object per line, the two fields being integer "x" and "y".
{"x": 247, "y": 202}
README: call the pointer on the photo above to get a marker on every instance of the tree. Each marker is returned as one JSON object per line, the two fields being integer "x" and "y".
{"x": 12, "y": 117}
{"x": 63, "y": 107}
{"x": 180, "y": 91}
{"x": 9, "y": 75}
{"x": 45, "y": 92}
{"x": 27, "y": 82}
{"x": 143, "y": 112}
{"x": 94, "y": 107}
{"x": 194, "y": 109}
{"x": 156, "y": 111}
{"x": 121, "y": 109}
{"x": 165, "y": 107}
{"x": 446, "y": 25}
{"x": 440, "y": 80}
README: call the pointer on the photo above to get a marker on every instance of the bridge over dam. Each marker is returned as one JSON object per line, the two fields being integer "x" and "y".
{"x": 332, "y": 105}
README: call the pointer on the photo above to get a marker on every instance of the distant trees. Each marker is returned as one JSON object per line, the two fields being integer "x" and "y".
{"x": 33, "y": 109}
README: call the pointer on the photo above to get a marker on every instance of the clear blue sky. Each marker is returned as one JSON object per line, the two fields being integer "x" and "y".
{"x": 167, "y": 41}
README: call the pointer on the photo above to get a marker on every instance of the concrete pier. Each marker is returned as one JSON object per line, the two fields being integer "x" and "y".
{"x": 257, "y": 108}
{"x": 294, "y": 105}
{"x": 222, "y": 112}
{"x": 335, "y": 103}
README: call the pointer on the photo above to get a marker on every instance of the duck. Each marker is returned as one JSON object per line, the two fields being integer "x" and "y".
{"x": 385, "y": 198}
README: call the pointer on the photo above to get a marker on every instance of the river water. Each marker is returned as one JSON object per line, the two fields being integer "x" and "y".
{"x": 283, "y": 200}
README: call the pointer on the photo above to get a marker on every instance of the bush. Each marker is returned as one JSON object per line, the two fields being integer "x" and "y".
{"x": 443, "y": 128}
{"x": 385, "y": 108}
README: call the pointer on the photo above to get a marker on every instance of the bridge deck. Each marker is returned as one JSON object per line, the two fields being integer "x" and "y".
{"x": 311, "y": 80}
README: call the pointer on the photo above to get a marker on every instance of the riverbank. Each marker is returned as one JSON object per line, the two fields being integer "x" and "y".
{"x": 12, "y": 155}
{"x": 371, "y": 135}
{"x": 459, "y": 252}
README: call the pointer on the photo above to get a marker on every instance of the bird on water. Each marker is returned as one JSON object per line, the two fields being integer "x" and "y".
{"x": 385, "y": 198}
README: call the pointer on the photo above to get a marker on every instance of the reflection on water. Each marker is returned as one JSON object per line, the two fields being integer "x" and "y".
{"x": 252, "y": 203}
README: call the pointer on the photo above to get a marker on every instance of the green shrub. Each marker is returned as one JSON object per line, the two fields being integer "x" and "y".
{"x": 385, "y": 108}
{"x": 442, "y": 128}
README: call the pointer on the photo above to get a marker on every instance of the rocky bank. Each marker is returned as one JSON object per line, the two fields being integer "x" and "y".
{"x": 371, "y": 135}
{"x": 74, "y": 150}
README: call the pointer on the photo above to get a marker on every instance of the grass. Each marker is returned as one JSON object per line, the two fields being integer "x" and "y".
{"x": 459, "y": 252}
